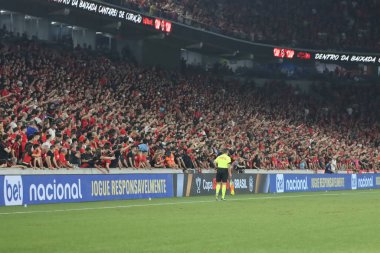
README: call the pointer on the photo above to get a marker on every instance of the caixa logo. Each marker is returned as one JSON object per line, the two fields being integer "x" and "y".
{"x": 280, "y": 186}
{"x": 13, "y": 190}
{"x": 55, "y": 191}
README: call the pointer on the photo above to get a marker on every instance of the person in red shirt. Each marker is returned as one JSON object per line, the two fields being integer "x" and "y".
{"x": 62, "y": 159}
{"x": 5, "y": 92}
{"x": 16, "y": 150}
{"x": 24, "y": 137}
{"x": 55, "y": 149}
{"x": 36, "y": 139}
{"x": 136, "y": 160}
{"x": 27, "y": 157}
{"x": 140, "y": 160}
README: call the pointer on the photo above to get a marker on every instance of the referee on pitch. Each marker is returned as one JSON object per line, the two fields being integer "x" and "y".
{"x": 223, "y": 170}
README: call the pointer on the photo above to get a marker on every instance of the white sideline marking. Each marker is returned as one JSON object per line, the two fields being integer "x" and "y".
{"x": 180, "y": 202}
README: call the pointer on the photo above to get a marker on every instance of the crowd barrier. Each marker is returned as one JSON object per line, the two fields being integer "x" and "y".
{"x": 280, "y": 183}
{"x": 45, "y": 189}
{"x": 204, "y": 184}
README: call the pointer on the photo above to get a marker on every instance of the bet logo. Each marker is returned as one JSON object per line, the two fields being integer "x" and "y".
{"x": 13, "y": 190}
{"x": 280, "y": 183}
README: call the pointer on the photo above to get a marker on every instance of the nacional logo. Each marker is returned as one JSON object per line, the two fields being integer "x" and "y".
{"x": 13, "y": 190}
{"x": 250, "y": 182}
{"x": 280, "y": 186}
{"x": 55, "y": 191}
{"x": 354, "y": 182}
{"x": 297, "y": 184}
{"x": 198, "y": 182}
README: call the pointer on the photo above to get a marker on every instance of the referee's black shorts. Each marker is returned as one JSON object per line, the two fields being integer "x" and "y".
{"x": 221, "y": 175}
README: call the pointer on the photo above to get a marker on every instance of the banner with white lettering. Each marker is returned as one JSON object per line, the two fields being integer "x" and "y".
{"x": 44, "y": 189}
{"x": 116, "y": 12}
{"x": 204, "y": 184}
{"x": 280, "y": 183}
{"x": 347, "y": 58}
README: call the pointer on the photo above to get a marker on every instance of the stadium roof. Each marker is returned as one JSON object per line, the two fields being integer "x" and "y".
{"x": 181, "y": 36}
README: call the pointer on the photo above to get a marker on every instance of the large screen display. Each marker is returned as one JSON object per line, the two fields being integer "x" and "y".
{"x": 325, "y": 56}
{"x": 118, "y": 13}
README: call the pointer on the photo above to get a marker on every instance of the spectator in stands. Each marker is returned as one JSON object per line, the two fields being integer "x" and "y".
{"x": 130, "y": 158}
{"x": 93, "y": 121}
{"x": 37, "y": 157}
{"x": 170, "y": 159}
{"x": 87, "y": 159}
{"x": 140, "y": 160}
{"x": 329, "y": 169}
{"x": 63, "y": 162}
{"x": 158, "y": 159}
{"x": 5, "y": 151}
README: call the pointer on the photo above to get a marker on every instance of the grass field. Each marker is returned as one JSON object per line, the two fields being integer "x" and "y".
{"x": 304, "y": 222}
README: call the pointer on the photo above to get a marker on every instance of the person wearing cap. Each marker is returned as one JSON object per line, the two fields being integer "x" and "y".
{"x": 223, "y": 171}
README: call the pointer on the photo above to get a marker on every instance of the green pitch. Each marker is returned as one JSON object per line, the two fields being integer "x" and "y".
{"x": 304, "y": 222}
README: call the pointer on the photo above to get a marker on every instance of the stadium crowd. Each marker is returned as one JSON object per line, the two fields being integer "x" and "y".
{"x": 77, "y": 108}
{"x": 322, "y": 24}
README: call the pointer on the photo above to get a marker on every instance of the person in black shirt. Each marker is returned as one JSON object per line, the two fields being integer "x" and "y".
{"x": 239, "y": 165}
{"x": 257, "y": 162}
{"x": 50, "y": 160}
{"x": 87, "y": 159}
{"x": 75, "y": 157}
{"x": 187, "y": 161}
{"x": 131, "y": 157}
{"x": 116, "y": 162}
{"x": 178, "y": 158}
{"x": 4, "y": 151}
{"x": 210, "y": 161}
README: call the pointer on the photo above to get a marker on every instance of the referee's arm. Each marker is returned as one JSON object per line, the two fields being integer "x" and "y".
{"x": 216, "y": 163}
